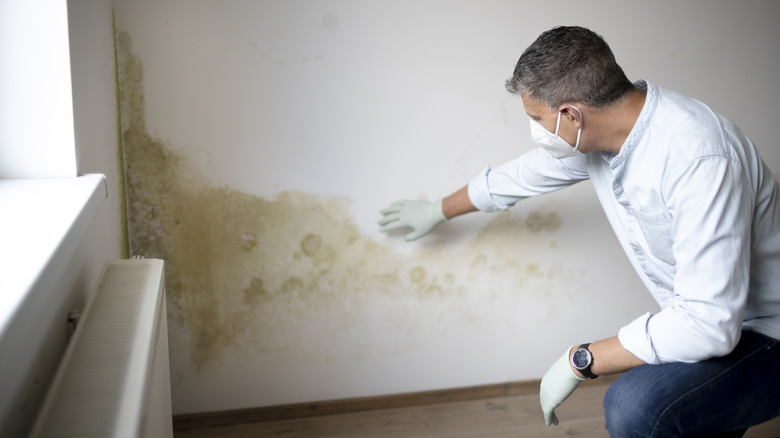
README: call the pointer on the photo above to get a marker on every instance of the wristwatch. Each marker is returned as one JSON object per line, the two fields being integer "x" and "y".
{"x": 582, "y": 360}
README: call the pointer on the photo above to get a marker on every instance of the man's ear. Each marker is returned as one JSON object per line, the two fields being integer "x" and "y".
{"x": 572, "y": 113}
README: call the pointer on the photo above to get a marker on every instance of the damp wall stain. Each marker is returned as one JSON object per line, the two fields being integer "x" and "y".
{"x": 257, "y": 274}
{"x": 123, "y": 226}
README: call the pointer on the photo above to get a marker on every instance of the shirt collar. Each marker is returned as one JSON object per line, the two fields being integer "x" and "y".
{"x": 638, "y": 131}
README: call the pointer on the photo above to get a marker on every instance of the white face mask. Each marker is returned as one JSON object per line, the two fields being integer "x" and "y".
{"x": 552, "y": 142}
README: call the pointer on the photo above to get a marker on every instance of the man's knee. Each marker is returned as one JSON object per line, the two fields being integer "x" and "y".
{"x": 630, "y": 411}
{"x": 618, "y": 414}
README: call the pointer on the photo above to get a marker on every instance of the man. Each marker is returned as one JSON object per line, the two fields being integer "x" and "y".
{"x": 697, "y": 212}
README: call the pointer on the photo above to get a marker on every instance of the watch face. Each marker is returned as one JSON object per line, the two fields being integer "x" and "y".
{"x": 581, "y": 358}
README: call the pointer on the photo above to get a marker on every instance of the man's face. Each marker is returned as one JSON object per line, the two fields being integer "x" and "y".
{"x": 538, "y": 111}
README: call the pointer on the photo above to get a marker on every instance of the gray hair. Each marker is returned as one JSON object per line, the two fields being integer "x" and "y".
{"x": 569, "y": 64}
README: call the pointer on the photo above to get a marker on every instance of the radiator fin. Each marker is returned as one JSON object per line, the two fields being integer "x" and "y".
{"x": 99, "y": 388}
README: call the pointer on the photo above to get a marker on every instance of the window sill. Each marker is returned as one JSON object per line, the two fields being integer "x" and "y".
{"x": 42, "y": 222}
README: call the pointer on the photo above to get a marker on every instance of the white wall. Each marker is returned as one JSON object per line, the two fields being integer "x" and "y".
{"x": 282, "y": 124}
{"x": 96, "y": 122}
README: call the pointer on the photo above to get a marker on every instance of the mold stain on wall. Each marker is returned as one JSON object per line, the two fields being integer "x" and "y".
{"x": 123, "y": 226}
{"x": 280, "y": 277}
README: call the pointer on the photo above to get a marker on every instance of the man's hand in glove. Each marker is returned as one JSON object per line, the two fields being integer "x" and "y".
{"x": 557, "y": 385}
{"x": 420, "y": 216}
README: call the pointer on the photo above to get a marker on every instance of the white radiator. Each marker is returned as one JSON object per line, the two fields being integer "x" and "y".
{"x": 114, "y": 379}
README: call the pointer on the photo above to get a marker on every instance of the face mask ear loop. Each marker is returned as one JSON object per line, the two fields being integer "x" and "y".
{"x": 558, "y": 124}
{"x": 579, "y": 131}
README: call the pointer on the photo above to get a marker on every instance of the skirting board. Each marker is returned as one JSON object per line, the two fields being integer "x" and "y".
{"x": 204, "y": 420}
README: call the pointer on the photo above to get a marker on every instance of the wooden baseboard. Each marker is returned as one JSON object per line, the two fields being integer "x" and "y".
{"x": 362, "y": 404}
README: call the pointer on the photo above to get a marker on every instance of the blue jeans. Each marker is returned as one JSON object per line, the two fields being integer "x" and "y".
{"x": 717, "y": 397}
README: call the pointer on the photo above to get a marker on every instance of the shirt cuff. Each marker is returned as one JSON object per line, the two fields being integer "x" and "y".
{"x": 635, "y": 338}
{"x": 479, "y": 193}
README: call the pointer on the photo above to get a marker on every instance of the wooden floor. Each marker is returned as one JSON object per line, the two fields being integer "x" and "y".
{"x": 513, "y": 416}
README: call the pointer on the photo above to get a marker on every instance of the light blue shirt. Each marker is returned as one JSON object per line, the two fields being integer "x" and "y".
{"x": 697, "y": 212}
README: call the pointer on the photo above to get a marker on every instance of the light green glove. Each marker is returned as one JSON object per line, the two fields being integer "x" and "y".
{"x": 420, "y": 216}
{"x": 557, "y": 385}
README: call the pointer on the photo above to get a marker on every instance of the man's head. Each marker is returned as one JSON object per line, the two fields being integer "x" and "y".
{"x": 567, "y": 65}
